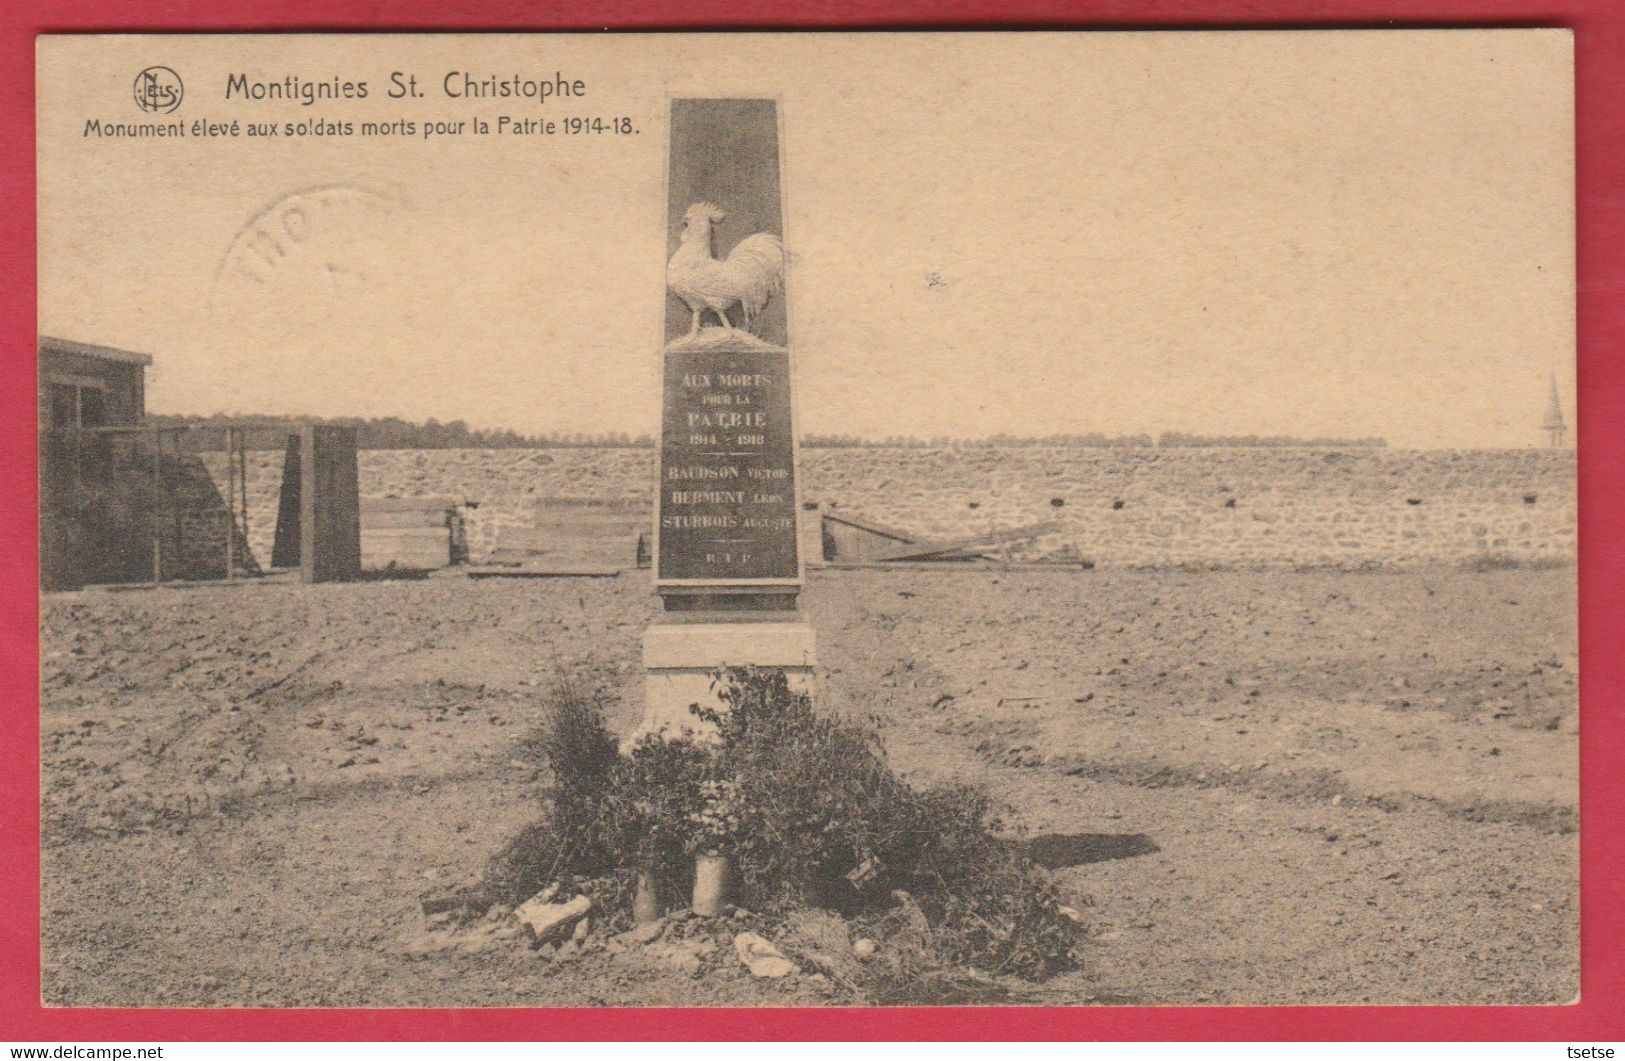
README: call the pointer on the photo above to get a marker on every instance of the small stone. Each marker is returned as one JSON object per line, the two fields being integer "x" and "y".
{"x": 550, "y": 921}
{"x": 498, "y": 912}
{"x": 864, "y": 948}
{"x": 1070, "y": 914}
{"x": 582, "y": 930}
{"x": 764, "y": 960}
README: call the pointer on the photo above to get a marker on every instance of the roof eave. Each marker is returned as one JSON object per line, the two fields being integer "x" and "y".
{"x": 102, "y": 353}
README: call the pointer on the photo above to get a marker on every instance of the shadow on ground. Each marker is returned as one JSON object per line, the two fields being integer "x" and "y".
{"x": 1061, "y": 850}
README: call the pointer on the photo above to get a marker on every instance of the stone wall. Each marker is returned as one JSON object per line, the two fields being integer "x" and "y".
{"x": 102, "y": 512}
{"x": 1227, "y": 506}
{"x": 1140, "y": 506}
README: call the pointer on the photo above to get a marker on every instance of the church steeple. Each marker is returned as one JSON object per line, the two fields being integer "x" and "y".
{"x": 1553, "y": 425}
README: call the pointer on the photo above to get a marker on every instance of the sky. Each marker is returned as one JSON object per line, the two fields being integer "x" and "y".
{"x": 1350, "y": 233}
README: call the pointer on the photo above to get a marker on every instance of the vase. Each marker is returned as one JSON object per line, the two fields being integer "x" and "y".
{"x": 710, "y": 884}
{"x": 646, "y": 900}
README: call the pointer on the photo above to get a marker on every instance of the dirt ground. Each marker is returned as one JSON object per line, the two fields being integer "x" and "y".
{"x": 1258, "y": 787}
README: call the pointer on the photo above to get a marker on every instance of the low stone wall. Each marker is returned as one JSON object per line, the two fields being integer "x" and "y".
{"x": 100, "y": 525}
{"x": 1226, "y": 506}
{"x": 1118, "y": 507}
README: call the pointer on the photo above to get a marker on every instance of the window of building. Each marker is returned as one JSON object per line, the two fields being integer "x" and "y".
{"x": 77, "y": 403}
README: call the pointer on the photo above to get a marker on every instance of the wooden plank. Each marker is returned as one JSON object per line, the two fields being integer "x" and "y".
{"x": 843, "y": 541}
{"x": 419, "y": 549}
{"x": 976, "y": 544}
{"x": 406, "y": 504}
{"x": 983, "y": 566}
{"x": 371, "y": 520}
{"x": 564, "y": 501}
{"x": 622, "y": 553}
{"x": 524, "y": 537}
{"x": 574, "y": 529}
{"x": 902, "y": 536}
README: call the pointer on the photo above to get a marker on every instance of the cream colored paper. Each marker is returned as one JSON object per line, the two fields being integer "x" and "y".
{"x": 1307, "y": 234}
{"x": 1288, "y": 722}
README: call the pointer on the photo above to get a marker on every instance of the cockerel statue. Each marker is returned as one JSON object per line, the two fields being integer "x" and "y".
{"x": 752, "y": 273}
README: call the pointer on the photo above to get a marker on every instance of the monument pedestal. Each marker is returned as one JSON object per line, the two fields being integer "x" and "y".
{"x": 681, "y": 652}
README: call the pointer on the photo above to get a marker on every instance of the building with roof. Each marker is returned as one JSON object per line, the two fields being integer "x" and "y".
{"x": 120, "y": 499}
{"x": 86, "y": 386}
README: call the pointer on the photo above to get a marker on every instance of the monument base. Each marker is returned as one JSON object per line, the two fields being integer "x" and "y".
{"x": 679, "y": 659}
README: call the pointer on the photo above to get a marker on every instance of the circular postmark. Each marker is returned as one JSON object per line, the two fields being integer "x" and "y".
{"x": 158, "y": 90}
{"x": 297, "y": 262}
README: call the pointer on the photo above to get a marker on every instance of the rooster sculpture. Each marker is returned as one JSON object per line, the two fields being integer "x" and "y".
{"x": 752, "y": 273}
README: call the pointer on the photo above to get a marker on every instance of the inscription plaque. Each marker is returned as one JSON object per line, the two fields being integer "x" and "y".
{"x": 727, "y": 508}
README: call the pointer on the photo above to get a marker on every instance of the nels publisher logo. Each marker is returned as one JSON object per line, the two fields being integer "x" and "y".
{"x": 158, "y": 90}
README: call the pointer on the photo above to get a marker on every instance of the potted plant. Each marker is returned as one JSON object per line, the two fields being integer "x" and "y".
{"x": 648, "y": 814}
{"x": 714, "y": 823}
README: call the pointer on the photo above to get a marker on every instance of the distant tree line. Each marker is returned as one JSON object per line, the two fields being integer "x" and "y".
{"x": 1093, "y": 438}
{"x": 389, "y": 432}
{"x": 1180, "y": 438}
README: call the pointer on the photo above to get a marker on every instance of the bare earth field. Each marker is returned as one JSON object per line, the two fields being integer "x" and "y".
{"x": 1259, "y": 787}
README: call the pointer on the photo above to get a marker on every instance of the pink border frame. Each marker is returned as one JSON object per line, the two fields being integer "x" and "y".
{"x": 1599, "y": 27}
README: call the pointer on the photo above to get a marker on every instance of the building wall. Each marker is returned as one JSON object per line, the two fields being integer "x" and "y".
{"x": 123, "y": 384}
{"x": 1119, "y": 507}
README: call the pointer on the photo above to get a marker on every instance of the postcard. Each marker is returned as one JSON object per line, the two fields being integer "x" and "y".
{"x": 817, "y": 519}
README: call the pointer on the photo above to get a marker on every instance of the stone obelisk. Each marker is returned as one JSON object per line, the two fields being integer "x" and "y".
{"x": 727, "y": 562}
